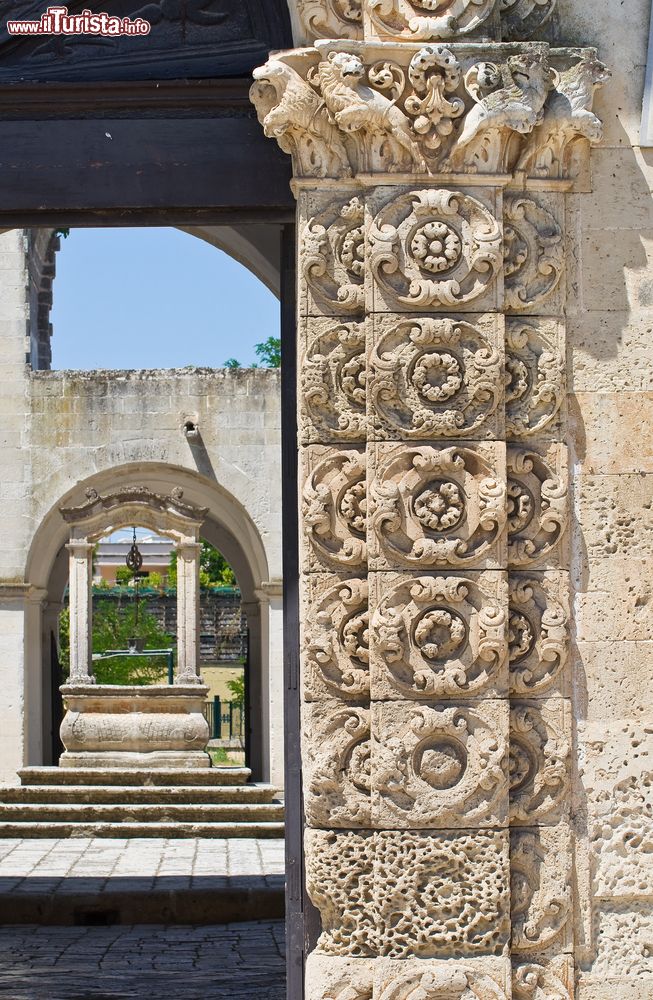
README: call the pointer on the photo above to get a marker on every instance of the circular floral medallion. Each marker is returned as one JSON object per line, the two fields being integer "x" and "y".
{"x": 440, "y": 507}
{"x": 353, "y": 506}
{"x": 436, "y": 247}
{"x": 440, "y": 634}
{"x": 441, "y": 763}
{"x": 437, "y": 376}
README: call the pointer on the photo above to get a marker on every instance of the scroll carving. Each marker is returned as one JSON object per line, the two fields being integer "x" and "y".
{"x": 540, "y": 889}
{"x": 538, "y": 632}
{"x": 538, "y": 507}
{"x": 331, "y": 18}
{"x": 439, "y": 767}
{"x": 523, "y": 18}
{"x": 539, "y": 761}
{"x": 335, "y": 509}
{"x": 451, "y": 982}
{"x": 335, "y": 641}
{"x": 336, "y": 765}
{"x": 437, "y": 507}
{"x": 435, "y": 377}
{"x": 535, "y": 982}
{"x": 426, "y": 20}
{"x": 533, "y": 253}
{"x": 332, "y": 258}
{"x": 439, "y": 637}
{"x": 333, "y": 382}
{"x": 535, "y": 377}
{"x": 434, "y": 248}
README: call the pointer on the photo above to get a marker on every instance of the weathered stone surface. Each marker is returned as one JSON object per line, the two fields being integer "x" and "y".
{"x": 609, "y": 352}
{"x": 336, "y": 755}
{"x": 538, "y": 507}
{"x": 333, "y": 373}
{"x": 541, "y": 901}
{"x": 539, "y": 633}
{"x": 617, "y": 516}
{"x": 335, "y": 638}
{"x": 611, "y": 432}
{"x": 614, "y": 679}
{"x": 439, "y": 766}
{"x": 613, "y": 598}
{"x": 334, "y": 509}
{"x": 535, "y": 379}
{"x": 540, "y": 761}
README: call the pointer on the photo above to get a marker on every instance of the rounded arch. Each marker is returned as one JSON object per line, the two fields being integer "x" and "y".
{"x": 227, "y": 526}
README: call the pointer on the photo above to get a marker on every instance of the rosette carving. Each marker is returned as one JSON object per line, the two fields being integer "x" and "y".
{"x": 540, "y": 888}
{"x": 335, "y": 642}
{"x": 438, "y": 637}
{"x": 523, "y": 18}
{"x": 333, "y": 382}
{"x": 434, "y": 248}
{"x": 533, "y": 253}
{"x": 540, "y": 744}
{"x": 538, "y": 632}
{"x": 334, "y": 509}
{"x": 336, "y": 759}
{"x": 435, "y": 377}
{"x": 439, "y": 767}
{"x": 332, "y": 258}
{"x": 437, "y": 507}
{"x": 535, "y": 377}
{"x": 426, "y": 20}
{"x": 452, "y": 982}
{"x": 538, "y": 505}
{"x": 331, "y": 18}
{"x": 568, "y": 117}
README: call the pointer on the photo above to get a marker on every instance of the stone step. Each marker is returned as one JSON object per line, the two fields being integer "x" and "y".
{"x": 154, "y": 794}
{"x": 135, "y": 812}
{"x": 126, "y": 776}
{"x": 11, "y": 830}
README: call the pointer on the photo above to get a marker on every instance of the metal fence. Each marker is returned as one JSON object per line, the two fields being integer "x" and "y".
{"x": 226, "y": 719}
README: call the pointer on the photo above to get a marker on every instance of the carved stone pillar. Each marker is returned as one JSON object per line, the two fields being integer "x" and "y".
{"x": 81, "y": 610}
{"x": 430, "y": 181}
{"x": 188, "y": 586}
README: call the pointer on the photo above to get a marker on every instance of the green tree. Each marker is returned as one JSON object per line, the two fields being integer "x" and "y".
{"x": 269, "y": 352}
{"x": 215, "y": 571}
{"x": 124, "y": 576}
{"x": 237, "y": 688}
{"x": 114, "y": 623}
{"x": 232, "y": 363}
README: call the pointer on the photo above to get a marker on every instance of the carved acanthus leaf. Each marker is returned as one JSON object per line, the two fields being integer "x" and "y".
{"x": 335, "y": 509}
{"x": 533, "y": 253}
{"x": 426, "y": 20}
{"x": 332, "y": 255}
{"x": 540, "y": 747}
{"x": 335, "y": 644}
{"x": 333, "y": 382}
{"x": 538, "y": 507}
{"x": 540, "y": 888}
{"x": 538, "y": 631}
{"x": 535, "y": 377}
{"x": 331, "y": 18}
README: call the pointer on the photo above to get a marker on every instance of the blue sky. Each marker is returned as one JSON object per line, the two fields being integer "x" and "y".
{"x": 154, "y": 298}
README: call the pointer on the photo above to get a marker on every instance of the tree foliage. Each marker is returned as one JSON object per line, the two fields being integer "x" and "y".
{"x": 215, "y": 571}
{"x": 237, "y": 688}
{"x": 268, "y": 353}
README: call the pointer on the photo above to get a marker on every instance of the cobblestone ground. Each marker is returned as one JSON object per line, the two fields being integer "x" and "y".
{"x": 229, "y": 962}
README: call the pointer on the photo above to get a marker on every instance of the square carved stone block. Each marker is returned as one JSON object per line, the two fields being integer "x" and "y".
{"x": 539, "y": 633}
{"x": 434, "y": 249}
{"x": 436, "y": 376}
{"x": 538, "y": 507}
{"x": 540, "y": 751}
{"x": 552, "y": 980}
{"x": 534, "y": 253}
{"x": 437, "y": 507}
{"x": 408, "y": 894}
{"x": 332, "y": 381}
{"x": 336, "y": 764}
{"x": 541, "y": 902}
{"x": 327, "y": 977}
{"x": 334, "y": 509}
{"x": 439, "y": 766}
{"x": 334, "y": 639}
{"x": 438, "y": 636}
{"x": 331, "y": 254}
{"x": 536, "y": 385}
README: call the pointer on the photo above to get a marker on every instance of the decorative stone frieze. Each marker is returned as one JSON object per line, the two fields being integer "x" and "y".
{"x": 354, "y": 109}
{"x": 424, "y": 20}
{"x": 333, "y": 374}
{"x": 535, "y": 379}
{"x": 540, "y": 890}
{"x": 430, "y": 980}
{"x": 439, "y": 766}
{"x": 334, "y": 509}
{"x": 538, "y": 507}
{"x": 437, "y": 507}
{"x": 335, "y": 643}
{"x": 332, "y": 254}
{"x": 433, "y": 249}
{"x": 336, "y": 754}
{"x": 380, "y": 894}
{"x": 331, "y": 18}
{"x": 533, "y": 255}
{"x": 436, "y": 377}
{"x": 538, "y": 633}
{"x": 540, "y": 748}
{"x": 435, "y": 637}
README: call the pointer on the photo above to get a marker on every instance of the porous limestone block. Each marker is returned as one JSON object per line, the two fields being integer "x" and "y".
{"x": 613, "y": 597}
{"x": 541, "y": 892}
{"x": 613, "y": 680}
{"x": 611, "y": 433}
{"x": 616, "y": 513}
{"x": 539, "y": 629}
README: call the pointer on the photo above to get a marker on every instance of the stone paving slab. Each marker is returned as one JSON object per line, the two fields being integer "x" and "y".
{"x": 226, "y": 962}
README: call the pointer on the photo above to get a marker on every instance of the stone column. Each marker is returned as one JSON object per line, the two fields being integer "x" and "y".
{"x": 81, "y": 610}
{"x": 188, "y": 586}
{"x": 433, "y": 485}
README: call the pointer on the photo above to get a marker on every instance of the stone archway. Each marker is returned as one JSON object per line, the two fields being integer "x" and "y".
{"x": 227, "y": 526}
